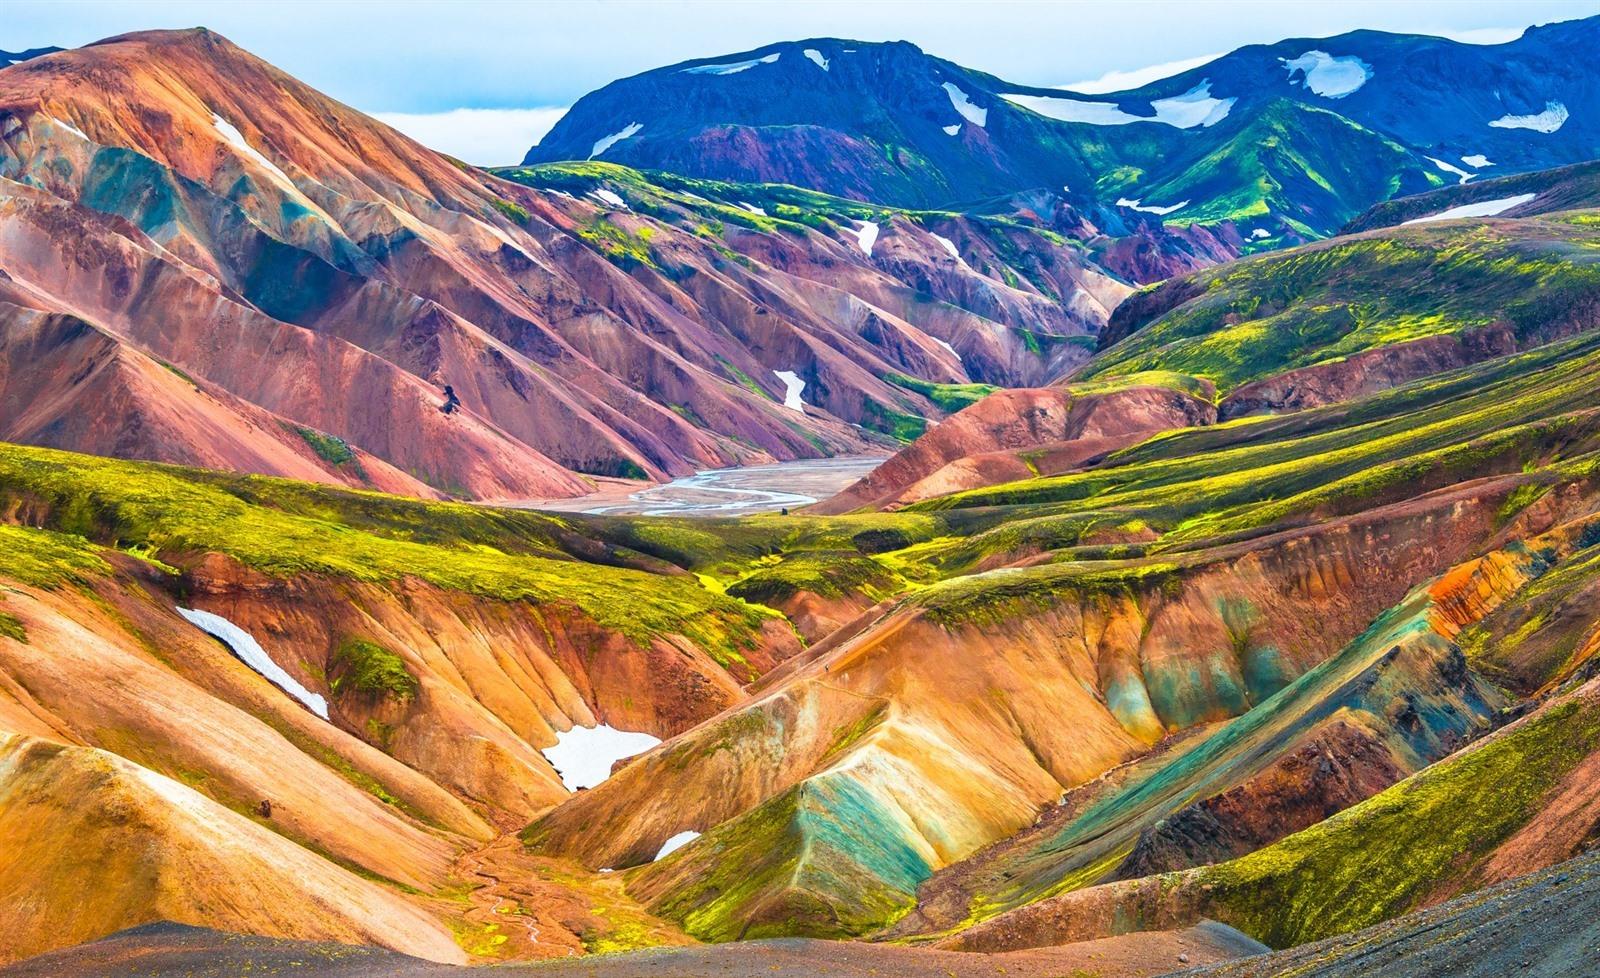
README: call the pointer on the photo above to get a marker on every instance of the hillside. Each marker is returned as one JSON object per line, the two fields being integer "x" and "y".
{"x": 241, "y": 245}
{"x": 1272, "y": 143}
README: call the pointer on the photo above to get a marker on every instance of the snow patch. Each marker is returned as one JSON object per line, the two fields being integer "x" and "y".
{"x": 972, "y": 113}
{"x": 236, "y": 138}
{"x": 583, "y": 755}
{"x": 675, "y": 843}
{"x": 952, "y": 130}
{"x": 250, "y": 652}
{"x": 1329, "y": 76}
{"x": 1260, "y": 233}
{"x": 793, "y": 385}
{"x": 1552, "y": 118}
{"x": 1193, "y": 108}
{"x": 866, "y": 237}
{"x": 1452, "y": 169}
{"x": 1482, "y": 208}
{"x": 608, "y": 197}
{"x": 1134, "y": 205}
{"x": 947, "y": 346}
{"x": 949, "y": 246}
{"x": 752, "y": 208}
{"x": 1477, "y": 161}
{"x": 816, "y": 58}
{"x": 72, "y": 129}
{"x": 601, "y": 145}
{"x": 1196, "y": 107}
{"x": 732, "y": 67}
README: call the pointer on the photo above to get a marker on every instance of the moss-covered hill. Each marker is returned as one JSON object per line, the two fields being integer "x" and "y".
{"x": 1489, "y": 288}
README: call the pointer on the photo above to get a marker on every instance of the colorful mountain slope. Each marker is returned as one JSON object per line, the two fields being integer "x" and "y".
{"x": 204, "y": 210}
{"x": 1181, "y": 584}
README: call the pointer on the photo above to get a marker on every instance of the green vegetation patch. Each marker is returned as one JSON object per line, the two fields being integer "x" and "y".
{"x": 283, "y": 529}
{"x": 330, "y": 448}
{"x": 11, "y": 627}
{"x": 366, "y": 666}
{"x": 949, "y": 397}
{"x": 827, "y": 574}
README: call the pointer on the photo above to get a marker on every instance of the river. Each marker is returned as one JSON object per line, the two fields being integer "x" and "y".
{"x": 728, "y": 492}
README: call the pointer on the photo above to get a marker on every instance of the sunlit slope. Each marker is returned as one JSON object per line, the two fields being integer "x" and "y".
{"x": 1181, "y": 582}
{"x": 1338, "y": 320}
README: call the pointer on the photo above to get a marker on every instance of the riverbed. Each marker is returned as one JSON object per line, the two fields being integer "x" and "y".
{"x": 725, "y": 492}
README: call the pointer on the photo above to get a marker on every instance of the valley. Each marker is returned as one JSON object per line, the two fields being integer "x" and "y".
{"x": 726, "y": 492}
{"x": 827, "y": 511}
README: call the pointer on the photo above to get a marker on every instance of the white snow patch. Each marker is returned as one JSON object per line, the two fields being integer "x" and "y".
{"x": 866, "y": 237}
{"x": 72, "y": 129}
{"x": 608, "y": 197}
{"x": 1552, "y": 118}
{"x": 793, "y": 385}
{"x": 236, "y": 138}
{"x": 1193, "y": 108}
{"x": 816, "y": 58}
{"x": 972, "y": 113}
{"x": 752, "y": 208}
{"x": 250, "y": 652}
{"x": 1134, "y": 205}
{"x": 949, "y": 246}
{"x": 1482, "y": 208}
{"x": 1260, "y": 233}
{"x": 583, "y": 755}
{"x": 1452, "y": 168}
{"x": 1196, "y": 107}
{"x": 1477, "y": 161}
{"x": 1329, "y": 76}
{"x": 1074, "y": 110}
{"x": 952, "y": 130}
{"x": 947, "y": 346}
{"x": 601, "y": 145}
{"x": 732, "y": 67}
{"x": 675, "y": 843}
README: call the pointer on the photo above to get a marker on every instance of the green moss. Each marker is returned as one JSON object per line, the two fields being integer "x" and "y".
{"x": 11, "y": 627}
{"x": 514, "y": 211}
{"x": 329, "y": 448}
{"x": 367, "y": 667}
{"x": 949, "y": 397}
{"x": 284, "y": 529}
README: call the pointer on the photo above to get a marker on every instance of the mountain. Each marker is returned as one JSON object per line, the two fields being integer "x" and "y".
{"x": 180, "y": 204}
{"x": 9, "y": 58}
{"x": 1253, "y": 607}
{"x": 1280, "y": 142}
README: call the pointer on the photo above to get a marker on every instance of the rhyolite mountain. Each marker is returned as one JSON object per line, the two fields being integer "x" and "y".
{"x": 1289, "y": 139}
{"x": 204, "y": 261}
{"x": 1264, "y": 599}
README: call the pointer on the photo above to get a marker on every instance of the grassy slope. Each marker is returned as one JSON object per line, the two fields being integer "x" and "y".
{"x": 1255, "y": 318}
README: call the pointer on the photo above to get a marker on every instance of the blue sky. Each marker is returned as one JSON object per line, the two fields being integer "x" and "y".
{"x": 433, "y": 69}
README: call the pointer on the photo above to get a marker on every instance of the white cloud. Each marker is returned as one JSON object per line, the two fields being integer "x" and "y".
{"x": 483, "y": 137}
{"x": 1486, "y": 35}
{"x": 1121, "y": 81}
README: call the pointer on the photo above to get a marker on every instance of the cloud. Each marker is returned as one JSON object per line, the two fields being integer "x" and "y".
{"x": 483, "y": 137}
{"x": 1121, "y": 81}
{"x": 1486, "y": 35}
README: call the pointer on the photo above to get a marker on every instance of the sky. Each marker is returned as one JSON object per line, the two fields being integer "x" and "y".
{"x": 484, "y": 79}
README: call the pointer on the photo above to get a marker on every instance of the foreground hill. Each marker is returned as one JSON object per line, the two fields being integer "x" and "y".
{"x": 204, "y": 261}
{"x": 1273, "y": 142}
